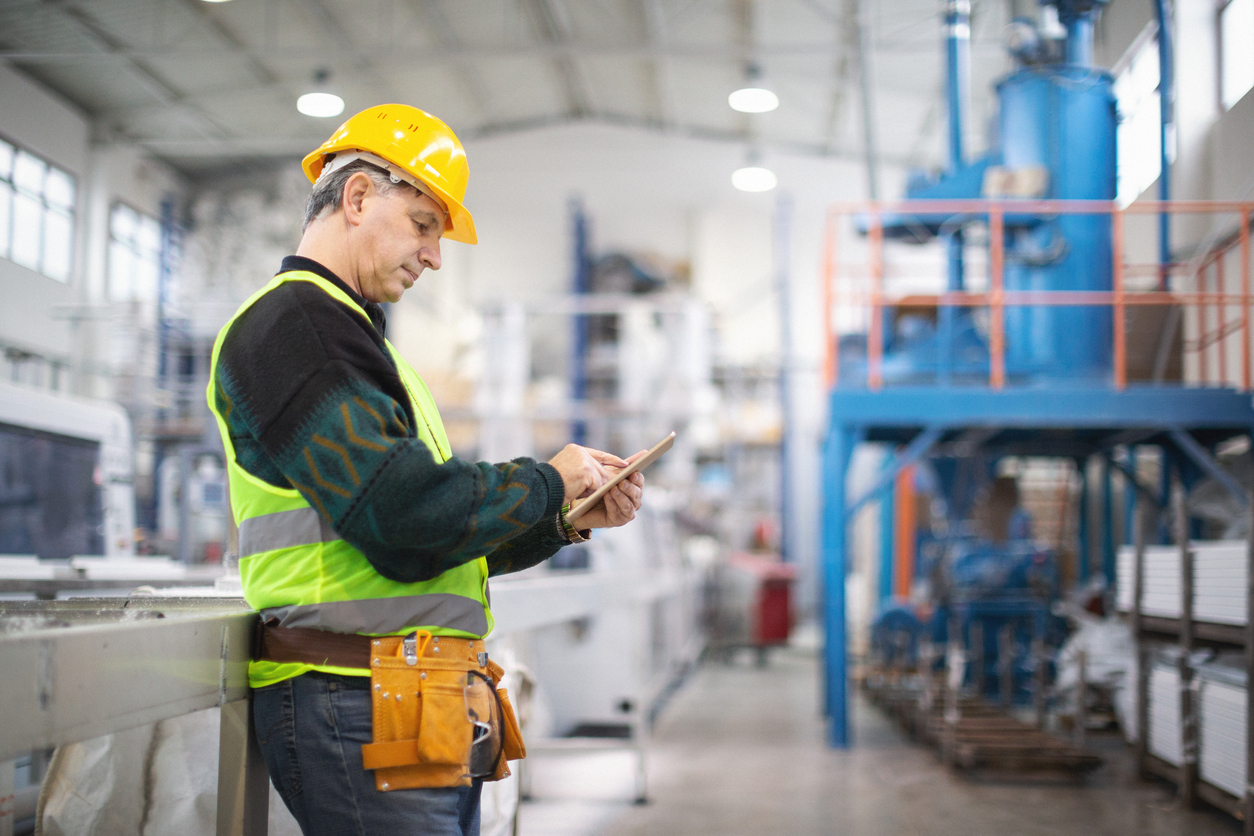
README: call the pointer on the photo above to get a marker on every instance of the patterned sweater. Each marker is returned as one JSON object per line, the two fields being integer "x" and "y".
{"x": 313, "y": 401}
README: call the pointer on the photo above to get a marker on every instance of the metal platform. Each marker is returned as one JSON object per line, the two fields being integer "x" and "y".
{"x": 1069, "y": 421}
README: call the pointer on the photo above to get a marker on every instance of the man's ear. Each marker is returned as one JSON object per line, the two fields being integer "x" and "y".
{"x": 356, "y": 189}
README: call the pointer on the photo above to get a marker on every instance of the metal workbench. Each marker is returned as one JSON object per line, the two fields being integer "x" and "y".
{"x": 78, "y": 669}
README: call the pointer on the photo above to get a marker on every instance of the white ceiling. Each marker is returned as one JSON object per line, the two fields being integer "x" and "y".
{"x": 207, "y": 85}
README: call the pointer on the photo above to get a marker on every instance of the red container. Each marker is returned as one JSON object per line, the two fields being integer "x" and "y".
{"x": 770, "y": 618}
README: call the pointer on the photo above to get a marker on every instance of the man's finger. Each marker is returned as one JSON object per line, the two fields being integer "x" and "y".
{"x": 606, "y": 458}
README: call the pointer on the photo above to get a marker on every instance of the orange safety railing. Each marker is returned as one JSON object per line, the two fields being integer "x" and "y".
{"x": 1205, "y": 304}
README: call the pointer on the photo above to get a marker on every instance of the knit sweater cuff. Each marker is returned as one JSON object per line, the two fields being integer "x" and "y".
{"x": 556, "y": 488}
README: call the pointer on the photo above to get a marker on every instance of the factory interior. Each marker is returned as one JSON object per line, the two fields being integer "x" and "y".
{"x": 947, "y": 303}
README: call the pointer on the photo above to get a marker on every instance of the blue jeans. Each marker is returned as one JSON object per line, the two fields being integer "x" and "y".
{"x": 311, "y": 729}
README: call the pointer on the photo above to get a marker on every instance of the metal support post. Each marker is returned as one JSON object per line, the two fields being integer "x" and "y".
{"x": 8, "y": 798}
{"x": 1082, "y": 699}
{"x": 1129, "y": 496}
{"x": 977, "y": 657}
{"x": 954, "y": 671}
{"x": 1082, "y": 529}
{"x": 1138, "y": 639}
{"x": 1038, "y": 679}
{"x": 1249, "y": 667}
{"x": 836, "y": 458}
{"x": 1108, "y": 523}
{"x": 887, "y": 535}
{"x": 1188, "y": 709}
{"x": 243, "y": 782}
{"x": 1006, "y": 665}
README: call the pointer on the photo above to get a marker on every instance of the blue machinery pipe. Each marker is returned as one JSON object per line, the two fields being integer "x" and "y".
{"x": 958, "y": 99}
{"x": 1166, "y": 70}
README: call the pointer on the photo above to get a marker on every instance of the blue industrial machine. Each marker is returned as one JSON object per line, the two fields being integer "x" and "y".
{"x": 1055, "y": 141}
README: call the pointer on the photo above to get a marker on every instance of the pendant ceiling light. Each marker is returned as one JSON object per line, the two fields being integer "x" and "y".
{"x": 320, "y": 101}
{"x": 754, "y": 177}
{"x": 756, "y": 96}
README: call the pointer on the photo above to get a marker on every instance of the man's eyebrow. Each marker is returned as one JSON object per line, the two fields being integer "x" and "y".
{"x": 425, "y": 215}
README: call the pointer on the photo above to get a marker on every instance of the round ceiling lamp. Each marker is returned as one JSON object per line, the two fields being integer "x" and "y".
{"x": 320, "y": 102}
{"x": 754, "y": 178}
{"x": 755, "y": 96}
{"x": 753, "y": 100}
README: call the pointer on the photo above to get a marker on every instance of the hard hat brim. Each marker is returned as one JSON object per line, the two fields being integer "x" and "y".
{"x": 460, "y": 225}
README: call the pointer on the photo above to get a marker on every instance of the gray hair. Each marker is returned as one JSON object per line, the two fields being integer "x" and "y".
{"x": 328, "y": 192}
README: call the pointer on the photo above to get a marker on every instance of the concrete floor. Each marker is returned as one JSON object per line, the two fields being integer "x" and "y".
{"x": 740, "y": 751}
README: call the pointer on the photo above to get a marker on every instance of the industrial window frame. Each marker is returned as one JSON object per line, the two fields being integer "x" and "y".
{"x": 138, "y": 252}
{"x": 1221, "y": 7}
{"x": 59, "y": 265}
{"x": 1143, "y": 53}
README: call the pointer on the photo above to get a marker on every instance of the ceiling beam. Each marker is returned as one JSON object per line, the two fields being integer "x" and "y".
{"x": 297, "y": 146}
{"x": 337, "y": 34}
{"x": 550, "y": 50}
{"x": 476, "y": 88}
{"x": 663, "y": 86}
{"x": 552, "y": 22}
{"x": 105, "y": 43}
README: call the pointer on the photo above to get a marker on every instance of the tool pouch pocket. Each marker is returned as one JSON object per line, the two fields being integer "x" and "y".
{"x": 423, "y": 728}
{"x": 512, "y": 744}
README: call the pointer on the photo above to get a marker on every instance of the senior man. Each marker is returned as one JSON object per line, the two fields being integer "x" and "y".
{"x": 365, "y": 544}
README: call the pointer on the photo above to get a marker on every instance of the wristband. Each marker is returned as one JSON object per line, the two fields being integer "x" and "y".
{"x": 573, "y": 535}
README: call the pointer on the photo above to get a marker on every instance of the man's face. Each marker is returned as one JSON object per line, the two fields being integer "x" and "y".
{"x": 399, "y": 237}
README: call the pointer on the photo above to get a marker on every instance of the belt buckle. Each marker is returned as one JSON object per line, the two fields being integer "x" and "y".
{"x": 410, "y": 648}
{"x": 483, "y": 658}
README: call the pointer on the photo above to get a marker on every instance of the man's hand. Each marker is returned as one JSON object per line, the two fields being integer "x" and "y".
{"x": 620, "y": 505}
{"x": 584, "y": 470}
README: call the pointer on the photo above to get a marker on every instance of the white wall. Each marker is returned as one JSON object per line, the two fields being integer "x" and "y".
{"x": 41, "y": 122}
{"x": 42, "y": 315}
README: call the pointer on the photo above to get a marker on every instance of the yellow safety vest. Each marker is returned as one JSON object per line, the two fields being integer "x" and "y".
{"x": 296, "y": 569}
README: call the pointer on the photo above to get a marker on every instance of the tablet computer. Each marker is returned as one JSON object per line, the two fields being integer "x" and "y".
{"x": 589, "y": 502}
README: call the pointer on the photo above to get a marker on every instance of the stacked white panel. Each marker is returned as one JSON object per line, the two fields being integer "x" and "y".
{"x": 1222, "y": 729}
{"x": 1164, "y": 713}
{"x": 1220, "y": 570}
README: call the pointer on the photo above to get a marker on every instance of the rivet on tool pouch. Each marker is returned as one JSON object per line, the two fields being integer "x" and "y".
{"x": 456, "y": 708}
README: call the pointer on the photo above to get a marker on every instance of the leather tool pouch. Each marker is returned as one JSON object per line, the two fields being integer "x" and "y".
{"x": 437, "y": 722}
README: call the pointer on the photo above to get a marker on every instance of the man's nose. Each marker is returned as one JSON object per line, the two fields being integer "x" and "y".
{"x": 430, "y": 256}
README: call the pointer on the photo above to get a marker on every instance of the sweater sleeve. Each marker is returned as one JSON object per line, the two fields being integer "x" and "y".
{"x": 535, "y": 545}
{"x": 314, "y": 402}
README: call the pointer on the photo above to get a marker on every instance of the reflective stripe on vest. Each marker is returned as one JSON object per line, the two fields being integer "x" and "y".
{"x": 381, "y": 615}
{"x": 282, "y": 530}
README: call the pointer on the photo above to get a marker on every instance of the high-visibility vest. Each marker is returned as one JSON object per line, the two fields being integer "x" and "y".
{"x": 296, "y": 569}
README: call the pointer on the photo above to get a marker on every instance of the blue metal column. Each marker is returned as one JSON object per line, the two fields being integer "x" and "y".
{"x": 1084, "y": 567}
{"x": 581, "y": 284}
{"x": 836, "y": 456}
{"x": 887, "y": 535}
{"x": 1108, "y": 523}
{"x": 1166, "y": 117}
{"x": 958, "y": 99}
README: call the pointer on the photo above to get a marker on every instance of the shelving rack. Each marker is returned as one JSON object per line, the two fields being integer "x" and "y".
{"x": 1151, "y": 633}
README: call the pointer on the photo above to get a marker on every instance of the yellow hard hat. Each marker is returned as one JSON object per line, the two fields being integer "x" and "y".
{"x": 423, "y": 150}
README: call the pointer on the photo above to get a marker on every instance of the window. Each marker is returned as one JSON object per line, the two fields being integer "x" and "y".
{"x": 1136, "y": 93}
{"x": 36, "y": 213}
{"x": 134, "y": 255}
{"x": 1236, "y": 56}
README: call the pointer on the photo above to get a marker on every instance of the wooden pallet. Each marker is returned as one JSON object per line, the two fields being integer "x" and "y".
{"x": 998, "y": 741}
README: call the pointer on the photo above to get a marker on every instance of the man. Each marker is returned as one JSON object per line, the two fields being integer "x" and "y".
{"x": 356, "y": 523}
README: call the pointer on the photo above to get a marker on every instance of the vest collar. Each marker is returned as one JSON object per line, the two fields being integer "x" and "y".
{"x": 376, "y": 312}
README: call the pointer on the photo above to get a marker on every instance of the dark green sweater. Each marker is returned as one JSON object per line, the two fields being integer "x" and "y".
{"x": 294, "y": 366}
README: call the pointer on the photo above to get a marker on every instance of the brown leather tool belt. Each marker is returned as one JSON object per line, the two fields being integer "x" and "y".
{"x": 346, "y": 650}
